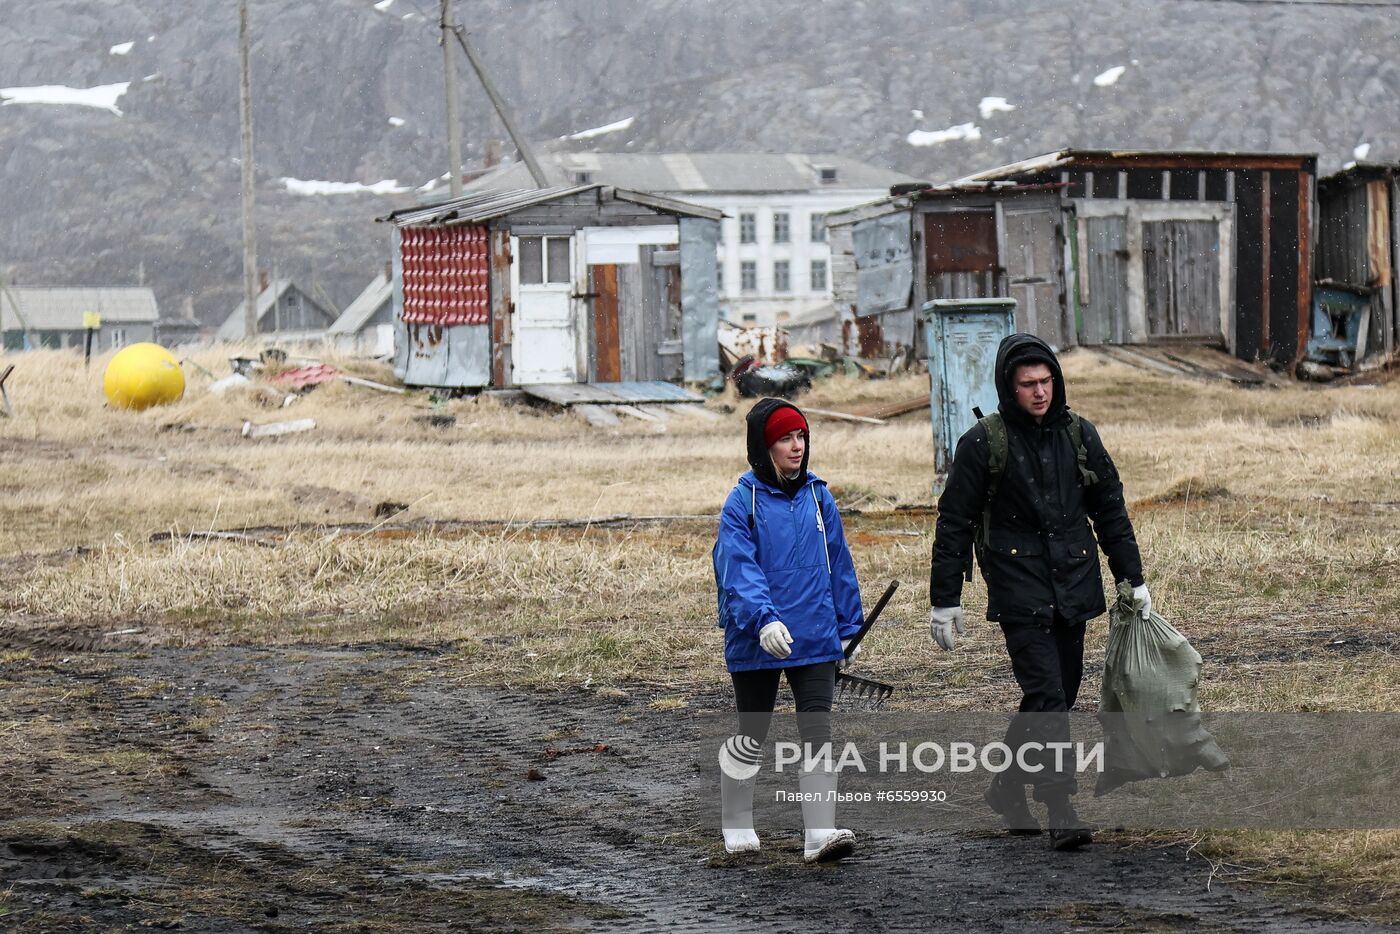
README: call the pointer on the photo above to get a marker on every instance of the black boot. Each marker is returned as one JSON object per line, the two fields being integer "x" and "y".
{"x": 1067, "y": 830}
{"x": 1009, "y": 801}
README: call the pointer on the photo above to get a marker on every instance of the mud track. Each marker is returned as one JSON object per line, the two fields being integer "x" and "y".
{"x": 365, "y": 789}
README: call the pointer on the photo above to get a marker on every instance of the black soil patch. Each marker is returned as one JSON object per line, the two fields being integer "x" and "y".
{"x": 368, "y": 789}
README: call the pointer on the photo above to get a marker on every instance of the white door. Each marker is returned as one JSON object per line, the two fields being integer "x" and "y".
{"x": 544, "y": 343}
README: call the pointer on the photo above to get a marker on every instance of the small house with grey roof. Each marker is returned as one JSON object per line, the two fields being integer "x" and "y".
{"x": 55, "y": 317}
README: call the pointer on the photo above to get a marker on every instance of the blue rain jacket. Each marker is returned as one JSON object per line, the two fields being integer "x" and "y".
{"x": 793, "y": 565}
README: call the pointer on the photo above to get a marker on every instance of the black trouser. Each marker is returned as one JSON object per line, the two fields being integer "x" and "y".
{"x": 756, "y": 693}
{"x": 1048, "y": 661}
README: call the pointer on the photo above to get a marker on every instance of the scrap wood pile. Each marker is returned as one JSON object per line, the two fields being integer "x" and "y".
{"x": 759, "y": 361}
{"x": 276, "y": 381}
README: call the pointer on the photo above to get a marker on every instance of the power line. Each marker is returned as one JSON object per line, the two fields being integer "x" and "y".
{"x": 1358, "y": 4}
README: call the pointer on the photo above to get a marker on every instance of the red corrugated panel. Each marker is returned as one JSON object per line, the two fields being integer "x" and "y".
{"x": 445, "y": 275}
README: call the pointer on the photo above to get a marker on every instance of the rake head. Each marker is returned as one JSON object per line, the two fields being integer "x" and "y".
{"x": 856, "y": 693}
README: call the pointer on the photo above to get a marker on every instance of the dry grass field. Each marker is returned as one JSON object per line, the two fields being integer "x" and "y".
{"x": 1267, "y": 519}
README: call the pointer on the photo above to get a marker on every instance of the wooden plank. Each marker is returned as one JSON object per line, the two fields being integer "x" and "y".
{"x": 631, "y": 323}
{"x": 842, "y": 416}
{"x": 637, "y": 412}
{"x": 1267, "y": 223}
{"x": 692, "y": 410}
{"x": 607, "y": 352}
{"x": 501, "y": 308}
{"x": 598, "y": 416}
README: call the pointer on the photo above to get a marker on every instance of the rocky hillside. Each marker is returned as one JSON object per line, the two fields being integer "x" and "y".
{"x": 350, "y": 91}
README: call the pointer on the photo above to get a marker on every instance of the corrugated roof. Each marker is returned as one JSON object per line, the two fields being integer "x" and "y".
{"x": 364, "y": 306}
{"x": 1064, "y": 157}
{"x": 61, "y": 309}
{"x": 681, "y": 172}
{"x": 232, "y": 328}
{"x": 480, "y": 206}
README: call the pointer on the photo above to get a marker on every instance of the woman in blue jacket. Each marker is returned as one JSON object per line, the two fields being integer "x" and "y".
{"x": 788, "y": 602}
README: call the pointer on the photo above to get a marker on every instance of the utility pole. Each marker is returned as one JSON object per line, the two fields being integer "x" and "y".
{"x": 245, "y": 115}
{"x": 521, "y": 143}
{"x": 454, "y": 125}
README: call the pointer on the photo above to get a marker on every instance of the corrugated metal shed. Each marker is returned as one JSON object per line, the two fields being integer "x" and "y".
{"x": 62, "y": 309}
{"x": 700, "y": 172}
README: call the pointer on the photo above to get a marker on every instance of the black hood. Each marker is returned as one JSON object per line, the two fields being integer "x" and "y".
{"x": 759, "y": 460}
{"x": 1017, "y": 350}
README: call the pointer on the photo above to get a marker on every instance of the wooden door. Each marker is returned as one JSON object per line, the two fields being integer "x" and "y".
{"x": 1104, "y": 291}
{"x": 1181, "y": 278}
{"x": 607, "y": 348}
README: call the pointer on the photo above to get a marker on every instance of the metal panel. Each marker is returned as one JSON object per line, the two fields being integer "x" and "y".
{"x": 1104, "y": 307}
{"x": 447, "y": 357}
{"x": 963, "y": 338}
{"x": 884, "y": 267}
{"x": 445, "y": 275}
{"x": 960, "y": 241}
{"x": 699, "y": 298}
{"x": 1181, "y": 278}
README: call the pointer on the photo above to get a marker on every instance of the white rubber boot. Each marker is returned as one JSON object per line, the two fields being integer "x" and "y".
{"x": 736, "y": 810}
{"x": 738, "y": 771}
{"x": 824, "y": 841}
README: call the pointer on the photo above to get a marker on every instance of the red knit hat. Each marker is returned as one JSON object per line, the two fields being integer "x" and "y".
{"x": 781, "y": 422}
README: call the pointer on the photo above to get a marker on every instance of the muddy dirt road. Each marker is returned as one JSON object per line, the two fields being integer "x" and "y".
{"x": 364, "y": 789}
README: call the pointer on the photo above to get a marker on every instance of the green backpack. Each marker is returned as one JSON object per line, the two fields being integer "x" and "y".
{"x": 998, "y": 450}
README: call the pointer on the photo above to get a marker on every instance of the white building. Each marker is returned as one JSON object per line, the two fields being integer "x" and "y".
{"x": 774, "y": 262}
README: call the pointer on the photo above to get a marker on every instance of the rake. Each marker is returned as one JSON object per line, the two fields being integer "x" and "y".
{"x": 852, "y": 691}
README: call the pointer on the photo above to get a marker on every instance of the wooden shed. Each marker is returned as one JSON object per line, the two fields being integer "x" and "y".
{"x": 974, "y": 240}
{"x": 1202, "y": 245}
{"x": 1358, "y": 249}
{"x": 582, "y": 284}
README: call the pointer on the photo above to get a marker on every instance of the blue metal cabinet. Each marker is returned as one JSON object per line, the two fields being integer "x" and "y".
{"x": 963, "y": 336}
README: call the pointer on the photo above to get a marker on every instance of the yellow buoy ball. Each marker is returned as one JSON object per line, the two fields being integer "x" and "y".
{"x": 143, "y": 375}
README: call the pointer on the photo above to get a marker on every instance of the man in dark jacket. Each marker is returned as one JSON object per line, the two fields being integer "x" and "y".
{"x": 1039, "y": 559}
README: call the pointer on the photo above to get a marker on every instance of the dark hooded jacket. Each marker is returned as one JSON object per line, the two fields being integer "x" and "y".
{"x": 1041, "y": 553}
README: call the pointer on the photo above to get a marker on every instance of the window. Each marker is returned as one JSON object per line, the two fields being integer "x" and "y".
{"x": 116, "y": 337}
{"x": 531, "y": 260}
{"x": 543, "y": 256}
{"x": 818, "y": 234}
{"x": 826, "y": 174}
{"x": 719, "y": 278}
{"x": 583, "y": 178}
{"x": 782, "y": 276}
{"x": 747, "y": 228}
{"x": 781, "y": 227}
{"x": 818, "y": 275}
{"x": 751, "y": 319}
{"x": 748, "y": 276}
{"x": 558, "y": 249}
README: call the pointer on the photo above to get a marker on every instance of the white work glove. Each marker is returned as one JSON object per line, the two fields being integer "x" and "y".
{"x": 848, "y": 662}
{"x": 775, "y": 640}
{"x": 945, "y": 624}
{"x": 1140, "y": 595}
